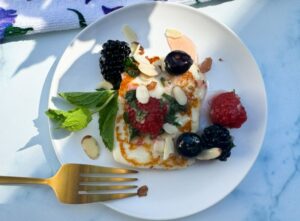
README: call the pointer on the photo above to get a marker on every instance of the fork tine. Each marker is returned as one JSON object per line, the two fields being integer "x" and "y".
{"x": 91, "y": 198}
{"x": 106, "y": 179}
{"x": 114, "y": 187}
{"x": 98, "y": 169}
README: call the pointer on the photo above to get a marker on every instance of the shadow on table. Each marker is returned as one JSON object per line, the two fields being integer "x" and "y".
{"x": 41, "y": 52}
{"x": 42, "y": 138}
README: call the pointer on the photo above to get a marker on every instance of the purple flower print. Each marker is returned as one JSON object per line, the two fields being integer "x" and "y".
{"x": 7, "y": 18}
{"x": 107, "y": 10}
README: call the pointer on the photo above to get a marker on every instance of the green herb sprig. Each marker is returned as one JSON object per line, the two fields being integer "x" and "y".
{"x": 103, "y": 102}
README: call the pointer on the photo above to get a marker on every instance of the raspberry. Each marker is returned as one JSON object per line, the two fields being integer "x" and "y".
{"x": 226, "y": 110}
{"x": 147, "y": 118}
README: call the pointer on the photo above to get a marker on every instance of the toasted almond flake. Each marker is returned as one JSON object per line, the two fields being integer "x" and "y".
{"x": 105, "y": 85}
{"x": 158, "y": 148}
{"x": 90, "y": 147}
{"x": 142, "y": 191}
{"x": 205, "y": 66}
{"x": 140, "y": 58}
{"x": 129, "y": 34}
{"x": 148, "y": 69}
{"x": 169, "y": 147}
{"x": 195, "y": 72}
{"x": 158, "y": 91}
{"x": 173, "y": 33}
{"x": 210, "y": 154}
{"x": 179, "y": 95}
{"x": 142, "y": 94}
{"x": 134, "y": 46}
{"x": 145, "y": 78}
{"x": 152, "y": 85}
{"x": 170, "y": 129}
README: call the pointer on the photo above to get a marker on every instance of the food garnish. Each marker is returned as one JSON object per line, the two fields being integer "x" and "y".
{"x": 142, "y": 191}
{"x": 227, "y": 110}
{"x": 90, "y": 147}
{"x": 214, "y": 143}
{"x": 218, "y": 136}
{"x": 210, "y": 154}
{"x": 205, "y": 66}
{"x": 188, "y": 144}
{"x": 113, "y": 56}
{"x": 72, "y": 120}
{"x": 107, "y": 119}
{"x": 178, "y": 62}
{"x": 103, "y": 102}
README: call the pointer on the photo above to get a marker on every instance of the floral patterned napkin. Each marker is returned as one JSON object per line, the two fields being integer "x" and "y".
{"x": 21, "y": 17}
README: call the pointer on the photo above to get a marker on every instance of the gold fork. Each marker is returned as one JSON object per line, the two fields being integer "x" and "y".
{"x": 72, "y": 183}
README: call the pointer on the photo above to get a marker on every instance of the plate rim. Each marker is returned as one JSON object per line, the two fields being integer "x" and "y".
{"x": 221, "y": 25}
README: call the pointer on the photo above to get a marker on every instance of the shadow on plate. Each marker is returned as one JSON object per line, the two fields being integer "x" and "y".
{"x": 89, "y": 55}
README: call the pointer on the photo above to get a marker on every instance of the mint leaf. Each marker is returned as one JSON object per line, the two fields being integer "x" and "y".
{"x": 174, "y": 107}
{"x": 56, "y": 115}
{"x": 163, "y": 81}
{"x": 130, "y": 98}
{"x": 172, "y": 119}
{"x": 72, "y": 120}
{"x": 107, "y": 118}
{"x": 131, "y": 68}
{"x": 133, "y": 132}
{"x": 88, "y": 99}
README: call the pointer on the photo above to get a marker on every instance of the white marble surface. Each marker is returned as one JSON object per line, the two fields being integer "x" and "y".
{"x": 270, "y": 192}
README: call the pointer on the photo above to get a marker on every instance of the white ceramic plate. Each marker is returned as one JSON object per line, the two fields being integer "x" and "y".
{"x": 172, "y": 194}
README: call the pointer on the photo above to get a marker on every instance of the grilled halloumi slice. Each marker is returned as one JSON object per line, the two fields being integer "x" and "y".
{"x": 159, "y": 153}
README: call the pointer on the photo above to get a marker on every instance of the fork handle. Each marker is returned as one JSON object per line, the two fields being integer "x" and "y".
{"x": 22, "y": 180}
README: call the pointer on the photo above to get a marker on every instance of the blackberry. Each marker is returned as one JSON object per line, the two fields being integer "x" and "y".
{"x": 113, "y": 56}
{"x": 218, "y": 136}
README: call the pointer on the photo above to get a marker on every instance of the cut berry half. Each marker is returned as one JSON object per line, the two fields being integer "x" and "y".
{"x": 227, "y": 110}
{"x": 112, "y": 59}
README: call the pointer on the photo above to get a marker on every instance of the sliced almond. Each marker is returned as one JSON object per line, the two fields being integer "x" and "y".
{"x": 142, "y": 191}
{"x": 169, "y": 147}
{"x": 90, "y": 147}
{"x": 205, "y": 66}
{"x": 172, "y": 33}
{"x": 148, "y": 69}
{"x": 179, "y": 95}
{"x": 152, "y": 85}
{"x": 170, "y": 129}
{"x": 140, "y": 58}
{"x": 157, "y": 92}
{"x": 142, "y": 94}
{"x": 158, "y": 147}
{"x": 210, "y": 154}
{"x": 134, "y": 46}
{"x": 195, "y": 72}
{"x": 145, "y": 78}
{"x": 129, "y": 34}
{"x": 105, "y": 85}
{"x": 202, "y": 91}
